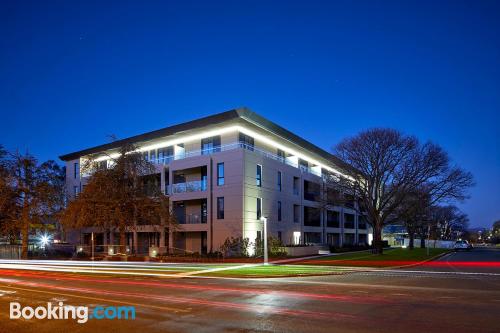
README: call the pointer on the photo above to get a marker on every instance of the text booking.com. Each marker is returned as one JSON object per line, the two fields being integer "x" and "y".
{"x": 60, "y": 311}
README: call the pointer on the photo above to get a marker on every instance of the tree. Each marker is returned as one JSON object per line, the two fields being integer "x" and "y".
{"x": 450, "y": 222}
{"x": 495, "y": 232}
{"x": 30, "y": 193}
{"x": 414, "y": 214}
{"x": 386, "y": 167}
{"x": 119, "y": 196}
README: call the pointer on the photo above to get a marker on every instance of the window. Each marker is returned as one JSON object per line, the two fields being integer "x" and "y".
{"x": 220, "y": 174}
{"x": 312, "y": 217}
{"x": 166, "y": 154}
{"x": 246, "y": 141}
{"x": 361, "y": 222}
{"x": 204, "y": 178}
{"x": 258, "y": 177}
{"x": 210, "y": 145}
{"x": 220, "y": 208}
{"x": 332, "y": 219}
{"x": 279, "y": 210}
{"x": 75, "y": 169}
{"x": 281, "y": 155}
{"x": 296, "y": 185}
{"x": 259, "y": 208}
{"x": 303, "y": 165}
{"x": 279, "y": 235}
{"x": 279, "y": 181}
{"x": 312, "y": 237}
{"x": 204, "y": 213}
{"x": 76, "y": 190}
{"x": 296, "y": 213}
{"x": 311, "y": 191}
{"x": 349, "y": 221}
{"x": 152, "y": 155}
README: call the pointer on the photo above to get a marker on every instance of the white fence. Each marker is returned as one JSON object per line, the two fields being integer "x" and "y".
{"x": 431, "y": 243}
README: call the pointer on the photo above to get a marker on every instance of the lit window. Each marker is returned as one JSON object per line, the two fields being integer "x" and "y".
{"x": 220, "y": 174}
{"x": 259, "y": 208}
{"x": 258, "y": 177}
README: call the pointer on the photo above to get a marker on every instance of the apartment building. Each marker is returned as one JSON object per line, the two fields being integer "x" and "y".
{"x": 223, "y": 174}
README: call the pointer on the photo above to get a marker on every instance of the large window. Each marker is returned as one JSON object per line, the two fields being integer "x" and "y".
{"x": 246, "y": 141}
{"x": 258, "y": 176}
{"x": 220, "y": 208}
{"x": 311, "y": 191}
{"x": 279, "y": 181}
{"x": 259, "y": 208}
{"x": 165, "y": 154}
{"x": 210, "y": 145}
{"x": 220, "y": 174}
{"x": 349, "y": 221}
{"x": 279, "y": 210}
{"x": 312, "y": 217}
{"x": 332, "y": 219}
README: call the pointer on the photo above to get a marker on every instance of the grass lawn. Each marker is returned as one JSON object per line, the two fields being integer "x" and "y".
{"x": 274, "y": 271}
{"x": 392, "y": 257}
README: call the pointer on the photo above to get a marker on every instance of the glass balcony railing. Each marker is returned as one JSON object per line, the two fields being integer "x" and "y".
{"x": 231, "y": 146}
{"x": 193, "y": 186}
{"x": 191, "y": 219}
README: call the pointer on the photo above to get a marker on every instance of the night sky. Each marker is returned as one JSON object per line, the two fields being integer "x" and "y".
{"x": 73, "y": 73}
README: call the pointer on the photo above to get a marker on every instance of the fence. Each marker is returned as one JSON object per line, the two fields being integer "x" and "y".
{"x": 8, "y": 251}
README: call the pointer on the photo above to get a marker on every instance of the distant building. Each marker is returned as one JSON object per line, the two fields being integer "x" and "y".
{"x": 225, "y": 172}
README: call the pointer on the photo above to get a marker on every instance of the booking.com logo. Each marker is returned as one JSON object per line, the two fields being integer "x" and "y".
{"x": 79, "y": 313}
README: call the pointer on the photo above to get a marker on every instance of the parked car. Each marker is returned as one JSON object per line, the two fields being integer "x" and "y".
{"x": 462, "y": 245}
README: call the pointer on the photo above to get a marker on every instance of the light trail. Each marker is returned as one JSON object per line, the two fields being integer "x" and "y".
{"x": 259, "y": 308}
{"x": 251, "y": 291}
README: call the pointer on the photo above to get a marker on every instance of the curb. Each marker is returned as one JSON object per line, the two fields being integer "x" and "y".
{"x": 421, "y": 262}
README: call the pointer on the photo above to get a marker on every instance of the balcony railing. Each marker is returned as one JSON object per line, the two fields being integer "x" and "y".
{"x": 231, "y": 146}
{"x": 193, "y": 186}
{"x": 191, "y": 219}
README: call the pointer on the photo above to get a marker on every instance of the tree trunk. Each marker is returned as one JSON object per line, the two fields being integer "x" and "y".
{"x": 411, "y": 244}
{"x": 378, "y": 244}
{"x": 123, "y": 241}
{"x": 25, "y": 235}
{"x": 422, "y": 242}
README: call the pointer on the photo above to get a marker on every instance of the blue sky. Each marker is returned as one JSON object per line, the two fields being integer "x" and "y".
{"x": 72, "y": 73}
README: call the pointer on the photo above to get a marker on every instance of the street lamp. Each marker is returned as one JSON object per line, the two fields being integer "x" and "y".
{"x": 266, "y": 260}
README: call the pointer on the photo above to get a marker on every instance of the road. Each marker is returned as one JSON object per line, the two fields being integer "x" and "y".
{"x": 458, "y": 294}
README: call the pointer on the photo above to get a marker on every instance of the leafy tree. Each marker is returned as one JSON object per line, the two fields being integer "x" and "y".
{"x": 120, "y": 196}
{"x": 386, "y": 167}
{"x": 30, "y": 194}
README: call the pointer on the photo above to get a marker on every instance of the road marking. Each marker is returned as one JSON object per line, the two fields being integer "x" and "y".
{"x": 105, "y": 300}
{"x": 398, "y": 294}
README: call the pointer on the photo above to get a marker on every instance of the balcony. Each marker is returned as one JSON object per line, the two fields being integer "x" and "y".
{"x": 193, "y": 186}
{"x": 232, "y": 146}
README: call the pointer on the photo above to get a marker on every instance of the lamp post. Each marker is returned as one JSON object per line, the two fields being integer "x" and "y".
{"x": 266, "y": 260}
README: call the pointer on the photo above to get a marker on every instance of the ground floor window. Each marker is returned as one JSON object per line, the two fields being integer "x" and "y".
{"x": 312, "y": 237}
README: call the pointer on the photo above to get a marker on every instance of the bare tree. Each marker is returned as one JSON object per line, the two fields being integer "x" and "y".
{"x": 120, "y": 193}
{"x": 450, "y": 222}
{"x": 386, "y": 167}
{"x": 29, "y": 194}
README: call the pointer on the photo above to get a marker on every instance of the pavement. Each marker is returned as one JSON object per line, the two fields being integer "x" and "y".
{"x": 460, "y": 292}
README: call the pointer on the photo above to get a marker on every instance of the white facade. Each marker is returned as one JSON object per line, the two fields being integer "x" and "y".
{"x": 244, "y": 142}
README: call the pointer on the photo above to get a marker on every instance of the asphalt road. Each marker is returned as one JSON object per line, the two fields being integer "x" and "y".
{"x": 461, "y": 293}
